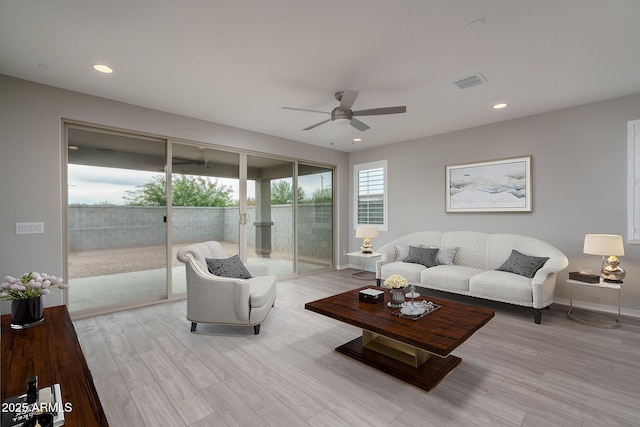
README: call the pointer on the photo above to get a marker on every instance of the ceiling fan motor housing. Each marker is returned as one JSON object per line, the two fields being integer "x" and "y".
{"x": 341, "y": 116}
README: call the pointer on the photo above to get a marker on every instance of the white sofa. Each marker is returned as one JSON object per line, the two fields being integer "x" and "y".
{"x": 473, "y": 268}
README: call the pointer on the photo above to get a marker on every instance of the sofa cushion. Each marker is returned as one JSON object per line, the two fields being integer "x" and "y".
{"x": 424, "y": 256}
{"x": 228, "y": 267}
{"x": 454, "y": 278}
{"x": 445, "y": 254}
{"x": 523, "y": 265}
{"x": 502, "y": 286}
{"x": 406, "y": 269}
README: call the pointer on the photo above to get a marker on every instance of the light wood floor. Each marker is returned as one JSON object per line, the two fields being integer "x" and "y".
{"x": 150, "y": 370}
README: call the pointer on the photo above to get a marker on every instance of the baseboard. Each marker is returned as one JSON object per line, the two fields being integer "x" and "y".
{"x": 599, "y": 307}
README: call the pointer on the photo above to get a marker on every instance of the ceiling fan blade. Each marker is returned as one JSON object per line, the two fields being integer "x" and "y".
{"x": 348, "y": 98}
{"x": 379, "y": 111}
{"x": 304, "y": 109}
{"x": 317, "y": 124}
{"x": 359, "y": 125}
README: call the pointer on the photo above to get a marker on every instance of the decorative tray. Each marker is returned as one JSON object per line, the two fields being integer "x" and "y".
{"x": 416, "y": 310}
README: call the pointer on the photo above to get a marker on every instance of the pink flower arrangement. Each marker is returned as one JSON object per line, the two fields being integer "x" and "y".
{"x": 29, "y": 285}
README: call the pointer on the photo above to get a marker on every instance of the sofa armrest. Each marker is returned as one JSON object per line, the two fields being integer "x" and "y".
{"x": 544, "y": 281}
{"x": 207, "y": 292}
{"x": 379, "y": 269}
{"x": 387, "y": 254}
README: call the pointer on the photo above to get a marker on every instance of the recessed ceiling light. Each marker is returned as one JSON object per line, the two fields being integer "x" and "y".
{"x": 500, "y": 105}
{"x": 102, "y": 68}
{"x": 357, "y": 139}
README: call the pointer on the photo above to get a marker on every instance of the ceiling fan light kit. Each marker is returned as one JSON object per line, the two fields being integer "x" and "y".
{"x": 343, "y": 114}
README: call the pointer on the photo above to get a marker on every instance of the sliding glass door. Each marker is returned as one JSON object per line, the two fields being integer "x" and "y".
{"x": 116, "y": 229}
{"x": 315, "y": 218}
{"x": 291, "y": 206}
{"x": 205, "y": 200}
{"x": 125, "y": 190}
{"x": 269, "y": 219}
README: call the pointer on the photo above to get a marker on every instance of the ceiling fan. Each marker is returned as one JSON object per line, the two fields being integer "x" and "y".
{"x": 343, "y": 113}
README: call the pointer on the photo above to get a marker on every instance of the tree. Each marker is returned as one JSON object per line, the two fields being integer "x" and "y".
{"x": 186, "y": 191}
{"x": 282, "y": 193}
{"x": 321, "y": 195}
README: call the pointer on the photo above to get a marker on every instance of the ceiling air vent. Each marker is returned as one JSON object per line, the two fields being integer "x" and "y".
{"x": 470, "y": 81}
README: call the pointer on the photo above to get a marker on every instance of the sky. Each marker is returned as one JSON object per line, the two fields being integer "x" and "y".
{"x": 95, "y": 185}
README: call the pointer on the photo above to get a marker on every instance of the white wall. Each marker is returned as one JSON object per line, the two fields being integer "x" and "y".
{"x": 31, "y": 164}
{"x": 579, "y": 161}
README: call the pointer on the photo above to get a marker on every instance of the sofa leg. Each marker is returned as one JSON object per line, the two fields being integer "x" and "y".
{"x": 537, "y": 315}
{"x": 193, "y": 326}
{"x": 256, "y": 329}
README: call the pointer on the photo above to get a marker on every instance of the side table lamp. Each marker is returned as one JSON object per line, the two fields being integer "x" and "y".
{"x": 366, "y": 232}
{"x": 607, "y": 245}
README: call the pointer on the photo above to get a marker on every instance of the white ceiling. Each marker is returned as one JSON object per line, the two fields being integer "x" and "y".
{"x": 237, "y": 62}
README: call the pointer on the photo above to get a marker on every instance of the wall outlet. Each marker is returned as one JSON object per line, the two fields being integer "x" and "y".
{"x": 29, "y": 227}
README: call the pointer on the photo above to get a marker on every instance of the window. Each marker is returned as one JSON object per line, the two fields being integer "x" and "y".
{"x": 633, "y": 204}
{"x": 370, "y": 194}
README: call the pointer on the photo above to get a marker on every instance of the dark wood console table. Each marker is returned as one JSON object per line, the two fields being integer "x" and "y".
{"x": 52, "y": 352}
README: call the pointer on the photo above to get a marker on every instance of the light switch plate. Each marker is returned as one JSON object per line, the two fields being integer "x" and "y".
{"x": 29, "y": 227}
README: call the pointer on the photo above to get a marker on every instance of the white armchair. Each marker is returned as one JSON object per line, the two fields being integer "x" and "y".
{"x": 215, "y": 299}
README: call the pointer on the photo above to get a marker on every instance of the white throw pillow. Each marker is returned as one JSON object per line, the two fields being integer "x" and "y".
{"x": 445, "y": 254}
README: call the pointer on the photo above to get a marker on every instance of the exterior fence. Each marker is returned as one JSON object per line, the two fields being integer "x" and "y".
{"x": 102, "y": 227}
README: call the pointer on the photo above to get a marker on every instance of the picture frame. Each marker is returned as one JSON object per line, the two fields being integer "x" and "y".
{"x": 502, "y": 185}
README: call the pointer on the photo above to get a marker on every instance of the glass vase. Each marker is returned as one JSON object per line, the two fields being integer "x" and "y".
{"x": 26, "y": 313}
{"x": 397, "y": 297}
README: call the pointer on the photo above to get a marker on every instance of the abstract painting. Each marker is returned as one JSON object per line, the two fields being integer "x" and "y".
{"x": 492, "y": 186}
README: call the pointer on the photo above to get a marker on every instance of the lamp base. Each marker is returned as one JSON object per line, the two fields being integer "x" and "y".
{"x": 367, "y": 246}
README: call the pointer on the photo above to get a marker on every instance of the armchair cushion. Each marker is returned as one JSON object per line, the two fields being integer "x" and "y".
{"x": 228, "y": 267}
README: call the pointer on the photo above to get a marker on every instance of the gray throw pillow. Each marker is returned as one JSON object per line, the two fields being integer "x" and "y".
{"x": 522, "y": 264}
{"x": 424, "y": 256}
{"x": 445, "y": 254}
{"x": 228, "y": 267}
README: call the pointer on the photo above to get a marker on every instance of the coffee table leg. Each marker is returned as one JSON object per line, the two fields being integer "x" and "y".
{"x": 425, "y": 376}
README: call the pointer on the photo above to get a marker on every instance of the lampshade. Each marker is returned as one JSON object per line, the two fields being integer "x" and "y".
{"x": 364, "y": 231}
{"x": 603, "y": 244}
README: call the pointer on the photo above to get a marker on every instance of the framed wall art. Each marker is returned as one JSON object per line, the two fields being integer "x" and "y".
{"x": 492, "y": 186}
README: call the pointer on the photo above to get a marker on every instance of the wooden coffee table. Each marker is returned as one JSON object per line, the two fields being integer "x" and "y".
{"x": 415, "y": 351}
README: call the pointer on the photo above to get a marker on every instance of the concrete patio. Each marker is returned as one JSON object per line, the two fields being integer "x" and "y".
{"x": 112, "y": 278}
